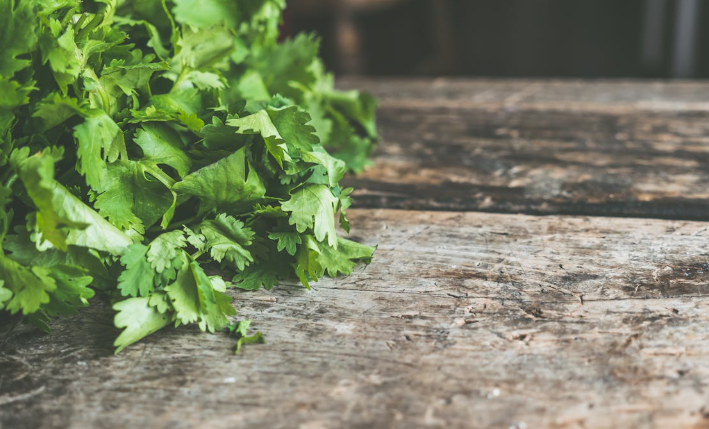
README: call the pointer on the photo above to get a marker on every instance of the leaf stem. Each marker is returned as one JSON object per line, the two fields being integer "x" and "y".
{"x": 80, "y": 22}
{"x": 183, "y": 74}
{"x": 95, "y": 22}
{"x": 11, "y": 180}
{"x": 68, "y": 17}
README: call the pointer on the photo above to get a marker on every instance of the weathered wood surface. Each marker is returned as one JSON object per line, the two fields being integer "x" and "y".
{"x": 582, "y": 148}
{"x": 463, "y": 320}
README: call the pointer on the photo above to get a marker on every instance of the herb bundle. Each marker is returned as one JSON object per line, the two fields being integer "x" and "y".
{"x": 144, "y": 141}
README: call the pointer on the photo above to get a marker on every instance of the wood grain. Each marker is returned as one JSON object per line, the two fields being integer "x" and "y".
{"x": 462, "y": 320}
{"x": 534, "y": 147}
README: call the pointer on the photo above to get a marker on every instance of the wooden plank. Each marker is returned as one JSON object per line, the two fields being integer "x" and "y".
{"x": 605, "y": 149}
{"x": 462, "y": 320}
{"x": 568, "y": 94}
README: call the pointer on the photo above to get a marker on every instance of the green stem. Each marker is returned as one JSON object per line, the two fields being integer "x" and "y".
{"x": 198, "y": 254}
{"x": 80, "y": 22}
{"x": 160, "y": 175}
{"x": 180, "y": 78}
{"x": 11, "y": 180}
{"x": 68, "y": 16}
{"x": 95, "y": 22}
{"x": 105, "y": 100}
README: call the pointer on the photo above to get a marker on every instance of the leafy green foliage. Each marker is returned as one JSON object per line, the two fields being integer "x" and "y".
{"x": 142, "y": 142}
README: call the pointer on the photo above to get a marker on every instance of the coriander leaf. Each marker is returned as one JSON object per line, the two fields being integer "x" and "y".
{"x": 241, "y": 331}
{"x": 343, "y": 259}
{"x": 72, "y": 290}
{"x": 138, "y": 277}
{"x": 307, "y": 264}
{"x": 56, "y": 109}
{"x": 17, "y": 35}
{"x": 285, "y": 63}
{"x": 160, "y": 301}
{"x": 261, "y": 123}
{"x": 286, "y": 241}
{"x": 227, "y": 182}
{"x": 118, "y": 197}
{"x": 206, "y": 13}
{"x": 202, "y": 49}
{"x": 162, "y": 145}
{"x": 62, "y": 218}
{"x": 291, "y": 123}
{"x": 184, "y": 295}
{"x": 5, "y": 294}
{"x": 335, "y": 168}
{"x": 186, "y": 101}
{"x": 256, "y": 277}
{"x": 15, "y": 95}
{"x": 205, "y": 80}
{"x": 227, "y": 239}
{"x": 165, "y": 248}
{"x": 139, "y": 319}
{"x": 214, "y": 305}
{"x": 30, "y": 287}
{"x": 59, "y": 49}
{"x": 99, "y": 140}
{"x": 313, "y": 207}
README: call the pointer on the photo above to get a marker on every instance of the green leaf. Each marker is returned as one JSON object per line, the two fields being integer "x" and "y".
{"x": 186, "y": 102}
{"x": 313, "y": 207}
{"x": 160, "y": 301}
{"x": 206, "y": 13}
{"x": 5, "y": 294}
{"x": 132, "y": 198}
{"x": 227, "y": 239}
{"x": 241, "y": 331}
{"x": 254, "y": 278}
{"x": 138, "y": 319}
{"x": 17, "y": 35}
{"x": 117, "y": 198}
{"x": 286, "y": 241}
{"x": 343, "y": 259}
{"x": 165, "y": 248}
{"x": 60, "y": 51}
{"x": 99, "y": 141}
{"x": 138, "y": 277}
{"x": 284, "y": 64}
{"x": 30, "y": 286}
{"x": 162, "y": 146}
{"x": 205, "y": 48}
{"x": 358, "y": 107}
{"x": 62, "y": 218}
{"x": 72, "y": 290}
{"x": 56, "y": 109}
{"x": 261, "y": 123}
{"x": 214, "y": 305}
{"x": 228, "y": 182}
{"x": 335, "y": 168}
{"x": 291, "y": 123}
{"x": 14, "y": 94}
{"x": 184, "y": 295}
{"x": 307, "y": 264}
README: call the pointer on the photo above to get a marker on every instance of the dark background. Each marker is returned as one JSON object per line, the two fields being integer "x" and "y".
{"x": 509, "y": 38}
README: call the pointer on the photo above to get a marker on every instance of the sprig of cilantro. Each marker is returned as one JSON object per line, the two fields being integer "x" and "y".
{"x": 143, "y": 141}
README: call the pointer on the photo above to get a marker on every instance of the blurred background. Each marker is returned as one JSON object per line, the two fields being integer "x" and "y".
{"x": 509, "y": 38}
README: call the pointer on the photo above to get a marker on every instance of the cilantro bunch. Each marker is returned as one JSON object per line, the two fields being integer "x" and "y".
{"x": 147, "y": 145}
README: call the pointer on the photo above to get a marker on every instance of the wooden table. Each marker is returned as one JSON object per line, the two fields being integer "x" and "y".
{"x": 542, "y": 263}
